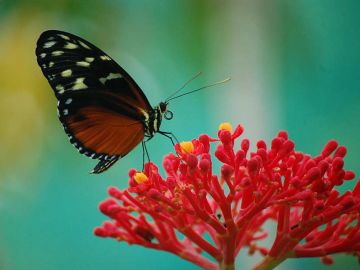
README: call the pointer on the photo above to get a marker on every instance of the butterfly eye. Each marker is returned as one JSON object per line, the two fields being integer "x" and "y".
{"x": 168, "y": 115}
{"x": 163, "y": 107}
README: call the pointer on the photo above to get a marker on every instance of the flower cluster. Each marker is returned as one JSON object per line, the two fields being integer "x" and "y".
{"x": 193, "y": 211}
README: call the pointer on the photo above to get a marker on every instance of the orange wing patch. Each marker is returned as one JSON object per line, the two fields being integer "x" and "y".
{"x": 105, "y": 132}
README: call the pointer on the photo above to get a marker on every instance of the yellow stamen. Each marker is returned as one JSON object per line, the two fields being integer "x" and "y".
{"x": 225, "y": 125}
{"x": 186, "y": 147}
{"x": 140, "y": 178}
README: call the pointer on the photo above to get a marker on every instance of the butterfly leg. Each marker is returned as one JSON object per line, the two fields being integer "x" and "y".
{"x": 172, "y": 137}
{"x": 169, "y": 135}
{"x": 145, "y": 151}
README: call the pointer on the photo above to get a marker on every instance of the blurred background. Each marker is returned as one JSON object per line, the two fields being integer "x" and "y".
{"x": 294, "y": 65}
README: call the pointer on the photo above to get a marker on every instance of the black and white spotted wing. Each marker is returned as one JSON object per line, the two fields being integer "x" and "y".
{"x": 101, "y": 107}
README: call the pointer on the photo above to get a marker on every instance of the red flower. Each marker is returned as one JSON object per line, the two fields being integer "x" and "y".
{"x": 220, "y": 215}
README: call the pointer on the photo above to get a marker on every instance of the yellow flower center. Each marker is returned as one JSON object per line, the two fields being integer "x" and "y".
{"x": 225, "y": 125}
{"x": 140, "y": 177}
{"x": 187, "y": 147}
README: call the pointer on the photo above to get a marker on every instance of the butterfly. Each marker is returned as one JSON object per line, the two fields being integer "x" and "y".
{"x": 102, "y": 109}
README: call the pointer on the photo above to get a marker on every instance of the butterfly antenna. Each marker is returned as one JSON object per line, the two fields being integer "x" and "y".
{"x": 184, "y": 85}
{"x": 201, "y": 88}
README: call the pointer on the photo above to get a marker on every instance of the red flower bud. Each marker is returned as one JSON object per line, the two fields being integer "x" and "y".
{"x": 238, "y": 131}
{"x": 349, "y": 175}
{"x": 328, "y": 260}
{"x": 253, "y": 165}
{"x": 261, "y": 144}
{"x": 227, "y": 171}
{"x": 225, "y": 137}
{"x": 313, "y": 174}
{"x": 204, "y": 165}
{"x": 337, "y": 164}
{"x": 340, "y": 152}
{"x": 277, "y": 143}
{"x": 245, "y": 144}
{"x": 283, "y": 134}
{"x": 329, "y": 148}
{"x": 191, "y": 161}
{"x": 286, "y": 148}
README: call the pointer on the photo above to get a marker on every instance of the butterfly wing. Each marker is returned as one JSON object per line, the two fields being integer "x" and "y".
{"x": 100, "y": 126}
{"x": 101, "y": 107}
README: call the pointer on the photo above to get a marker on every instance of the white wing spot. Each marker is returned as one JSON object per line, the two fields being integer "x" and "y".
{"x": 79, "y": 84}
{"x": 43, "y": 65}
{"x": 49, "y": 44}
{"x": 51, "y": 64}
{"x": 66, "y": 73}
{"x": 83, "y": 64}
{"x": 42, "y": 55}
{"x": 57, "y": 53}
{"x": 64, "y": 37}
{"x": 71, "y": 46}
{"x": 68, "y": 101}
{"x": 89, "y": 59}
{"x": 65, "y": 111}
{"x": 105, "y": 58}
{"x": 60, "y": 88}
{"x": 111, "y": 76}
{"x": 84, "y": 45}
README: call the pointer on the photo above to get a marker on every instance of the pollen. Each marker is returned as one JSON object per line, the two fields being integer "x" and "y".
{"x": 140, "y": 178}
{"x": 187, "y": 147}
{"x": 225, "y": 125}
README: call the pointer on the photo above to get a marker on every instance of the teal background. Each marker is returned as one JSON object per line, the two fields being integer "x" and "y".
{"x": 294, "y": 65}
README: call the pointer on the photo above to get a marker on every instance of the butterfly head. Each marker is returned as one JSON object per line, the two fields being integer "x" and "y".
{"x": 163, "y": 107}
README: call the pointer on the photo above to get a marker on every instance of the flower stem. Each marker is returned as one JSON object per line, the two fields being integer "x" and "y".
{"x": 268, "y": 263}
{"x": 224, "y": 266}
